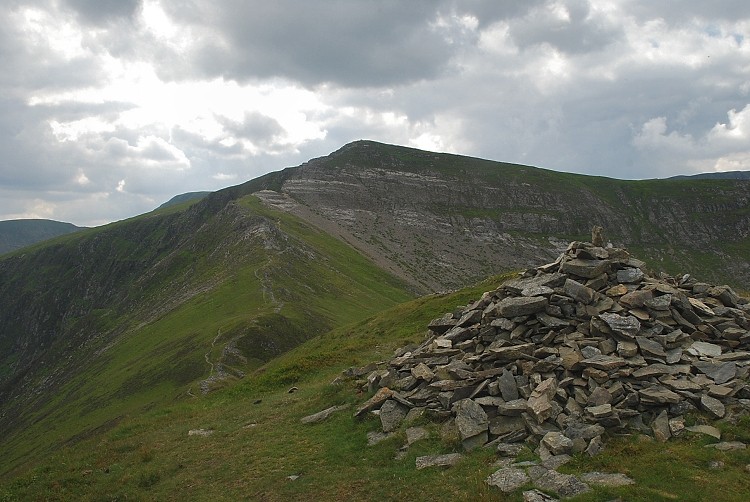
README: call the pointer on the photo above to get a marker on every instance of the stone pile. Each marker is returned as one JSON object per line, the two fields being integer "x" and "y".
{"x": 569, "y": 350}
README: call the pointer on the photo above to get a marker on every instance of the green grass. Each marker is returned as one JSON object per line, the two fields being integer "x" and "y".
{"x": 273, "y": 301}
{"x": 258, "y": 440}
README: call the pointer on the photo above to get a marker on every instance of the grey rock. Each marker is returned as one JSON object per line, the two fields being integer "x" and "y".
{"x": 589, "y": 351}
{"x": 508, "y": 479}
{"x": 470, "y": 318}
{"x": 659, "y": 302}
{"x": 509, "y": 449}
{"x": 627, "y": 349}
{"x": 704, "y": 349}
{"x": 502, "y": 425}
{"x": 556, "y": 461}
{"x": 392, "y": 413}
{"x": 422, "y": 372}
{"x": 459, "y": 334}
{"x": 588, "y": 269}
{"x": 718, "y": 372}
{"x": 604, "y": 363}
{"x": 512, "y": 408}
{"x": 476, "y": 441}
{"x": 579, "y": 292}
{"x": 508, "y": 387}
{"x": 676, "y": 426}
{"x": 375, "y": 437}
{"x": 511, "y": 352}
{"x": 557, "y": 443}
{"x": 549, "y": 321}
{"x": 595, "y": 446}
{"x": 624, "y": 326}
{"x": 564, "y": 485}
{"x": 540, "y": 407}
{"x": 728, "y": 446}
{"x": 471, "y": 418}
{"x": 551, "y": 280}
{"x": 588, "y": 432}
{"x": 322, "y": 415}
{"x": 658, "y": 395}
{"x": 713, "y": 406}
{"x": 650, "y": 348}
{"x": 447, "y": 460}
{"x": 709, "y": 430}
{"x": 537, "y": 496}
{"x": 374, "y": 402}
{"x": 652, "y": 370}
{"x": 200, "y": 432}
{"x": 629, "y": 275}
{"x": 599, "y": 412}
{"x": 537, "y": 291}
{"x": 442, "y": 324}
{"x": 599, "y": 396}
{"x": 520, "y": 306}
{"x": 660, "y": 426}
{"x": 606, "y": 479}
{"x": 414, "y": 434}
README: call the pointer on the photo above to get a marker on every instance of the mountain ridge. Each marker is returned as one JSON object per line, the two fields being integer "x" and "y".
{"x": 17, "y": 234}
{"x": 207, "y": 286}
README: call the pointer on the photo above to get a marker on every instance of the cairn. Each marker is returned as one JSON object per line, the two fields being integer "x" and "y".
{"x": 570, "y": 350}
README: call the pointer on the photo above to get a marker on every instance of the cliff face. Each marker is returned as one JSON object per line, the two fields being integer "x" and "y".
{"x": 446, "y": 220}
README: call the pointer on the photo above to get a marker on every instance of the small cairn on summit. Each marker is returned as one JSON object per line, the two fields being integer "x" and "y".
{"x": 586, "y": 344}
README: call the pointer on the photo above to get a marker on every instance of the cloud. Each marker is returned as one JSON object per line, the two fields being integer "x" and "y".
{"x": 103, "y": 11}
{"x": 360, "y": 44}
{"x": 724, "y": 147}
{"x": 570, "y": 26}
{"x": 159, "y": 97}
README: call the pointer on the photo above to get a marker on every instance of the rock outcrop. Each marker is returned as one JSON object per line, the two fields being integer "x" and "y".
{"x": 569, "y": 350}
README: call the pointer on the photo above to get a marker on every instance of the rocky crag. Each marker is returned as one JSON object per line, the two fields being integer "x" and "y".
{"x": 390, "y": 202}
{"x": 570, "y": 351}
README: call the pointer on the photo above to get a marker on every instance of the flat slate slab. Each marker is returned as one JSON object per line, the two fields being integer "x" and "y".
{"x": 606, "y": 479}
{"x": 447, "y": 460}
{"x": 508, "y": 479}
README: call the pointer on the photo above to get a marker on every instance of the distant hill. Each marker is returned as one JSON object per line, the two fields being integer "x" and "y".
{"x": 185, "y": 197}
{"x": 16, "y": 234}
{"x": 728, "y": 175}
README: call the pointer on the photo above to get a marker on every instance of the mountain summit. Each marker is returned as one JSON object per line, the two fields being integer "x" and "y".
{"x": 163, "y": 307}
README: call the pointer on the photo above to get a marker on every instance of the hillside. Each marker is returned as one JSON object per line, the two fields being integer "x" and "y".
{"x": 163, "y": 307}
{"x": 98, "y": 326}
{"x": 16, "y": 234}
{"x": 248, "y": 442}
{"x": 441, "y": 221}
{"x": 724, "y": 175}
{"x": 184, "y": 197}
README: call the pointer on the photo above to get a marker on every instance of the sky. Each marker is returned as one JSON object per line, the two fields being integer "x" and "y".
{"x": 110, "y": 107}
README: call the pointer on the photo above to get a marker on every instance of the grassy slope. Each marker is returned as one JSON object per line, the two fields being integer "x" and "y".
{"x": 259, "y": 441}
{"x": 15, "y": 234}
{"x": 272, "y": 301}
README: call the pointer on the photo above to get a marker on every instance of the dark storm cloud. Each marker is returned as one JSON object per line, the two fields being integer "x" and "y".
{"x": 362, "y": 44}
